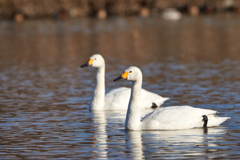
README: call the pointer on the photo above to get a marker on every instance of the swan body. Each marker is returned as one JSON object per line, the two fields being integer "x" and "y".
{"x": 168, "y": 118}
{"x": 116, "y": 99}
{"x": 171, "y": 14}
{"x": 180, "y": 117}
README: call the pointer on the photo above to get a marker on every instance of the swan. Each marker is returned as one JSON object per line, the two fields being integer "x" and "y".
{"x": 167, "y": 118}
{"x": 171, "y": 14}
{"x": 116, "y": 99}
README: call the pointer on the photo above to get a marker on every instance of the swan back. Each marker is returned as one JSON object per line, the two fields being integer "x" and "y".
{"x": 180, "y": 117}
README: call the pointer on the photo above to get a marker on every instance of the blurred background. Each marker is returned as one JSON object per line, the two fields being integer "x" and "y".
{"x": 188, "y": 50}
{"x": 184, "y": 29}
{"x": 32, "y": 9}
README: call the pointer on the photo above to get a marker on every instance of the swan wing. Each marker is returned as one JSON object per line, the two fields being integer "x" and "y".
{"x": 147, "y": 98}
{"x": 118, "y": 99}
{"x": 180, "y": 117}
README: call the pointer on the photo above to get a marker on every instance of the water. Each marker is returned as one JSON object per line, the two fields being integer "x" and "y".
{"x": 44, "y": 95}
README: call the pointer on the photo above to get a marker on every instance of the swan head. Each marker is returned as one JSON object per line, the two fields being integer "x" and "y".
{"x": 132, "y": 74}
{"x": 95, "y": 60}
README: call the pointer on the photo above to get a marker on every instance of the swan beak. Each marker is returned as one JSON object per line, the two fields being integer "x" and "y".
{"x": 88, "y": 63}
{"x": 118, "y": 78}
{"x": 123, "y": 76}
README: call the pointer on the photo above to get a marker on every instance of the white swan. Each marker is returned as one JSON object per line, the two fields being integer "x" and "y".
{"x": 116, "y": 99}
{"x": 171, "y": 14}
{"x": 168, "y": 118}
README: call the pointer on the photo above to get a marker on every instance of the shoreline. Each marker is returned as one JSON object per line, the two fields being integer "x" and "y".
{"x": 20, "y": 10}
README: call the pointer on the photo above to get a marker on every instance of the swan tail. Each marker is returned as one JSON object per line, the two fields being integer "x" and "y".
{"x": 154, "y": 105}
{"x": 158, "y": 102}
{"x": 214, "y": 120}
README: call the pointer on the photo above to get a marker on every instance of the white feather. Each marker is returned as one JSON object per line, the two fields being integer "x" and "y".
{"x": 118, "y": 99}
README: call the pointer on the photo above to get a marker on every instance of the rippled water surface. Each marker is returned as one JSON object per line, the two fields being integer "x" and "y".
{"x": 44, "y": 94}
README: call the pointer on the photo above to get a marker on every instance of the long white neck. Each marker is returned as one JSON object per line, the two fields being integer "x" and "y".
{"x": 99, "y": 90}
{"x": 133, "y": 113}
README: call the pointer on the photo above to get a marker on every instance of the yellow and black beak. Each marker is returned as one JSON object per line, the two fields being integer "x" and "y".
{"x": 88, "y": 63}
{"x": 123, "y": 76}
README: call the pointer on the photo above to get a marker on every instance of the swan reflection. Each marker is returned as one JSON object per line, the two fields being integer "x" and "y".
{"x": 185, "y": 135}
{"x": 179, "y": 142}
{"x": 99, "y": 119}
{"x": 152, "y": 144}
{"x": 134, "y": 141}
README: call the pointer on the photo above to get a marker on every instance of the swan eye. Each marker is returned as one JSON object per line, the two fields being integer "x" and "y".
{"x": 130, "y": 71}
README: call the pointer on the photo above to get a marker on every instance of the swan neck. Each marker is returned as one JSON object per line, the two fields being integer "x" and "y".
{"x": 133, "y": 114}
{"x": 99, "y": 90}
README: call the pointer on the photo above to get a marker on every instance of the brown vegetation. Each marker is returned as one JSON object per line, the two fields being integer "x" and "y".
{"x": 104, "y": 8}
